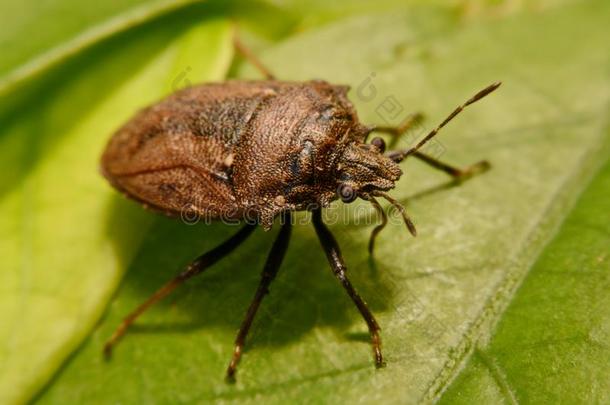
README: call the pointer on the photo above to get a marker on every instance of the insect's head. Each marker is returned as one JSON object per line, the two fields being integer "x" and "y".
{"x": 364, "y": 171}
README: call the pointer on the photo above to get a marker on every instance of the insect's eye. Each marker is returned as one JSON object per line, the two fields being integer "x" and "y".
{"x": 379, "y": 143}
{"x": 346, "y": 193}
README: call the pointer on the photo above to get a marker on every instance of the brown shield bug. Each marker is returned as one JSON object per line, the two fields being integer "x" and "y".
{"x": 253, "y": 151}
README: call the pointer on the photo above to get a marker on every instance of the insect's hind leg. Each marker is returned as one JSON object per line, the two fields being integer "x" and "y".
{"x": 196, "y": 267}
{"x": 272, "y": 265}
{"x": 333, "y": 254}
{"x": 252, "y": 58}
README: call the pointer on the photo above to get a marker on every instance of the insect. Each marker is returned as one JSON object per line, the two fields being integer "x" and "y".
{"x": 261, "y": 150}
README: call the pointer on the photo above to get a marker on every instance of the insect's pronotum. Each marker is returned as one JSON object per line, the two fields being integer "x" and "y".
{"x": 261, "y": 149}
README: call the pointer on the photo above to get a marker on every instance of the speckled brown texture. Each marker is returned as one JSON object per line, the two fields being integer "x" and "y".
{"x": 262, "y": 147}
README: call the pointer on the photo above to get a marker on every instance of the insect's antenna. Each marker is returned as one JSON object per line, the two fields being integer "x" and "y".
{"x": 410, "y": 225}
{"x": 378, "y": 228}
{"x": 487, "y": 90}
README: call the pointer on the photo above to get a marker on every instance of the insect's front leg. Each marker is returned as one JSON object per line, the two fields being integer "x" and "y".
{"x": 456, "y": 172}
{"x": 274, "y": 260}
{"x": 412, "y": 121}
{"x": 331, "y": 248}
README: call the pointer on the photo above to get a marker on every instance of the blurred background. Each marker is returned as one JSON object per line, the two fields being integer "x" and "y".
{"x": 502, "y": 298}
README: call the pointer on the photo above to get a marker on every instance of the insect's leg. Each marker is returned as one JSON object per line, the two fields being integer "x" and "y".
{"x": 274, "y": 260}
{"x": 196, "y": 267}
{"x": 331, "y": 248}
{"x": 455, "y": 172}
{"x": 412, "y": 121}
{"x": 247, "y": 53}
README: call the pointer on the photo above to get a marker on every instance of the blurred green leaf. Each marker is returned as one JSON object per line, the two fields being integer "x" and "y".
{"x": 66, "y": 238}
{"x": 551, "y": 344}
{"x": 311, "y": 13}
{"x": 37, "y": 34}
{"x": 436, "y": 296}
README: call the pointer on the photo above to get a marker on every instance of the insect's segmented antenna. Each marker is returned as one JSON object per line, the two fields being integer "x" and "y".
{"x": 487, "y": 90}
{"x": 408, "y": 222}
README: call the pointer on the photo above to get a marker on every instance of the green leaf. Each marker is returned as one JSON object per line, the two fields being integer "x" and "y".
{"x": 63, "y": 28}
{"x": 66, "y": 236}
{"x": 436, "y": 296}
{"x": 551, "y": 344}
{"x": 313, "y": 13}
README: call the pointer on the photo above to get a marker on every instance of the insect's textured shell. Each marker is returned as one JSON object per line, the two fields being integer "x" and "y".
{"x": 223, "y": 148}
